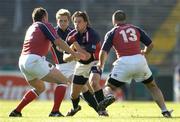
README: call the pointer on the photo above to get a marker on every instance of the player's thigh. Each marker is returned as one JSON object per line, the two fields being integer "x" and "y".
{"x": 34, "y": 66}
{"x": 55, "y": 76}
{"x": 121, "y": 72}
{"x": 142, "y": 72}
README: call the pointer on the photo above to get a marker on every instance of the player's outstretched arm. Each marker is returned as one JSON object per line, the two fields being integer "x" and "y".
{"x": 64, "y": 46}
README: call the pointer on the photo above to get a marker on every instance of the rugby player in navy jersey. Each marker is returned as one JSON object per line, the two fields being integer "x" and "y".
{"x": 32, "y": 62}
{"x": 131, "y": 62}
{"x": 87, "y": 41}
{"x": 63, "y": 18}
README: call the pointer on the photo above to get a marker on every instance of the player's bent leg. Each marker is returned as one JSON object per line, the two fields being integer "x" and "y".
{"x": 57, "y": 77}
{"x": 59, "y": 93}
{"x": 157, "y": 96}
{"x": 90, "y": 99}
{"x": 94, "y": 79}
{"x": 28, "y": 97}
{"x": 76, "y": 89}
{"x": 111, "y": 86}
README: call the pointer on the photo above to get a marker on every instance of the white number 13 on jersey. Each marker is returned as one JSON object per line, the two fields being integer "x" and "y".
{"x": 129, "y": 35}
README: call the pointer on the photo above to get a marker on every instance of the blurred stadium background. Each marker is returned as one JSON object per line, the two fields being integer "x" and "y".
{"x": 159, "y": 18}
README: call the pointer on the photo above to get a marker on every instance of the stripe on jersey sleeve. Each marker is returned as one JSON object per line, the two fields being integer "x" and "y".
{"x": 108, "y": 40}
{"x": 47, "y": 32}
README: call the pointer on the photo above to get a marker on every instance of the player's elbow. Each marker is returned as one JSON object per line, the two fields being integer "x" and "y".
{"x": 150, "y": 47}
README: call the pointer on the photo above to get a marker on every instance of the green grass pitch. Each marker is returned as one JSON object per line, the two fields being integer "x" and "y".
{"x": 38, "y": 111}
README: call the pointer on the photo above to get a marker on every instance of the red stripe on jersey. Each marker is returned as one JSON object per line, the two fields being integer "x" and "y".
{"x": 54, "y": 56}
{"x": 98, "y": 47}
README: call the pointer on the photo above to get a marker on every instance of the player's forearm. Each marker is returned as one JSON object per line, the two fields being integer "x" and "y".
{"x": 62, "y": 45}
{"x": 102, "y": 58}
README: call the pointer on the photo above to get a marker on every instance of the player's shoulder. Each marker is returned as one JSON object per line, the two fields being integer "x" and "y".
{"x": 110, "y": 32}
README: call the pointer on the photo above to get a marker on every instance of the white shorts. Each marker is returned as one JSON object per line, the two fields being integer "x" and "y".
{"x": 67, "y": 69}
{"x": 34, "y": 66}
{"x": 84, "y": 69}
{"x": 127, "y": 68}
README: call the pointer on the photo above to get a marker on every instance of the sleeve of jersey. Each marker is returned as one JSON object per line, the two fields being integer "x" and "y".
{"x": 70, "y": 38}
{"x": 144, "y": 38}
{"x": 92, "y": 47}
{"x": 49, "y": 31}
{"x": 107, "y": 44}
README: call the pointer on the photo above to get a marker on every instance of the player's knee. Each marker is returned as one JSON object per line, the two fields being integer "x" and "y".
{"x": 74, "y": 95}
{"x": 40, "y": 89}
{"x": 95, "y": 85}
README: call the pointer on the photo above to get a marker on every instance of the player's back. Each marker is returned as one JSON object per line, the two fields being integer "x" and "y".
{"x": 126, "y": 40}
{"x": 35, "y": 41}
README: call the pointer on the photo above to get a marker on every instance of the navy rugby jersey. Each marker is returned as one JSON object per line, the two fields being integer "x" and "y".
{"x": 58, "y": 55}
{"x": 89, "y": 41}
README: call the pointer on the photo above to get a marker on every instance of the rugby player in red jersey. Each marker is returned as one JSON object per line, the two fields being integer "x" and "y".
{"x": 131, "y": 62}
{"x": 32, "y": 62}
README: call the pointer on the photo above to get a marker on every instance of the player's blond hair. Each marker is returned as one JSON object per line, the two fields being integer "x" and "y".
{"x": 63, "y": 12}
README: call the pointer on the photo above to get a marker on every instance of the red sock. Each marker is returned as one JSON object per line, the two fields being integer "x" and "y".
{"x": 59, "y": 94}
{"x": 28, "y": 97}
